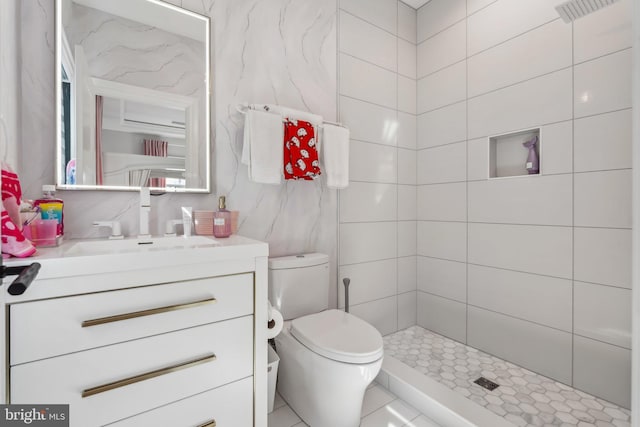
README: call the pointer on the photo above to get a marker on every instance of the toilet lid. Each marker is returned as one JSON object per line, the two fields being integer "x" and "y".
{"x": 339, "y": 336}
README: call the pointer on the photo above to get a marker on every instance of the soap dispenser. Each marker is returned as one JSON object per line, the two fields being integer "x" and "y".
{"x": 222, "y": 219}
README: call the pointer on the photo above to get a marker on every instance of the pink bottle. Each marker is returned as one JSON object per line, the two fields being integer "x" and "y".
{"x": 222, "y": 220}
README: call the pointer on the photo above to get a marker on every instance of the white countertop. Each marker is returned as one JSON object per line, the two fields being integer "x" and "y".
{"x": 59, "y": 262}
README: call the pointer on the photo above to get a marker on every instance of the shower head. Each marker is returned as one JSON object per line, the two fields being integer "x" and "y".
{"x": 571, "y": 10}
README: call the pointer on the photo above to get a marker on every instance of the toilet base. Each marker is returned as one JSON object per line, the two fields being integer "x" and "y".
{"x": 323, "y": 392}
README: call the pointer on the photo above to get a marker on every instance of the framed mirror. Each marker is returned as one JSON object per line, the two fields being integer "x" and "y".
{"x": 133, "y": 96}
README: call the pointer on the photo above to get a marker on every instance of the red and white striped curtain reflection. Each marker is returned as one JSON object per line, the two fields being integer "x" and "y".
{"x": 158, "y": 148}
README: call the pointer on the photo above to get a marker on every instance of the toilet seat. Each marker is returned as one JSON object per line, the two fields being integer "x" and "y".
{"x": 339, "y": 336}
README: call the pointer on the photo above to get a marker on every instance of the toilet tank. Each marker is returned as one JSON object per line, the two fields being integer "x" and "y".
{"x": 299, "y": 284}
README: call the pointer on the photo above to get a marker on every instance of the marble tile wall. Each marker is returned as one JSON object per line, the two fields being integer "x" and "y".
{"x": 532, "y": 269}
{"x": 377, "y": 100}
{"x": 265, "y": 52}
{"x": 9, "y": 83}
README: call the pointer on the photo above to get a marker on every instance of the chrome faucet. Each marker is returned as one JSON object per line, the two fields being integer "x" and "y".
{"x": 145, "y": 209}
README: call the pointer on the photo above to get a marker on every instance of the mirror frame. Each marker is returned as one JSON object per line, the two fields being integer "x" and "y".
{"x": 58, "y": 100}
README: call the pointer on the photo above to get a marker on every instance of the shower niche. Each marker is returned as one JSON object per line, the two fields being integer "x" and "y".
{"x": 515, "y": 154}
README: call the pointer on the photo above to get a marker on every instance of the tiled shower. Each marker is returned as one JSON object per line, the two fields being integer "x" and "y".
{"x": 533, "y": 269}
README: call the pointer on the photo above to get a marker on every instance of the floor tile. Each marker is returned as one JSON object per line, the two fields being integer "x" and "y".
{"x": 278, "y": 401}
{"x": 422, "y": 421}
{"x": 394, "y": 414}
{"x": 375, "y": 398}
{"x": 523, "y": 397}
{"x": 283, "y": 417}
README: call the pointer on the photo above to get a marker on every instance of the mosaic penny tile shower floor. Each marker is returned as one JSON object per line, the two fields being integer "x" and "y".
{"x": 524, "y": 398}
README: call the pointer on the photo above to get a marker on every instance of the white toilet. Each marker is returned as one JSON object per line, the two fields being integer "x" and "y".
{"x": 327, "y": 357}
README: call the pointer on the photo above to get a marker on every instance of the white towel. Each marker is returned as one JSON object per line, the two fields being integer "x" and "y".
{"x": 290, "y": 113}
{"x": 262, "y": 149}
{"x": 335, "y": 146}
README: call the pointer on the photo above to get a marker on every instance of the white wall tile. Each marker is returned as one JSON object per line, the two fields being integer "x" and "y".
{"x": 603, "y": 256}
{"x": 539, "y": 348}
{"x": 603, "y": 84}
{"x": 407, "y": 238}
{"x": 368, "y": 82}
{"x": 407, "y": 21}
{"x": 602, "y": 370}
{"x": 369, "y": 281}
{"x": 532, "y": 54}
{"x": 372, "y": 162}
{"x": 531, "y": 249}
{"x": 443, "y": 126}
{"x": 368, "y": 241}
{"x": 544, "y": 200}
{"x": 364, "y": 201}
{"x": 603, "y": 199}
{"x": 603, "y": 142}
{"x": 407, "y": 199}
{"x": 382, "y": 314}
{"x": 447, "y": 240}
{"x": 474, "y": 5}
{"x": 546, "y": 99}
{"x": 505, "y": 19}
{"x": 382, "y": 13}
{"x": 478, "y": 159}
{"x": 444, "y": 278}
{"x": 366, "y": 41}
{"x": 443, "y": 87}
{"x": 556, "y": 155}
{"x": 407, "y": 306}
{"x": 369, "y": 122}
{"x": 437, "y": 15}
{"x": 407, "y": 95}
{"x": 443, "y": 49}
{"x": 604, "y": 32}
{"x": 407, "y": 270}
{"x": 407, "y": 130}
{"x": 603, "y": 313}
{"x": 540, "y": 299}
{"x": 442, "y": 316}
{"x": 442, "y": 202}
{"x": 406, "y": 166}
{"x": 442, "y": 164}
{"x": 407, "y": 58}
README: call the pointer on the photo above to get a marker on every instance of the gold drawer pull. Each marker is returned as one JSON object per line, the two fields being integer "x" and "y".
{"x": 147, "y": 376}
{"x": 211, "y": 423}
{"x": 149, "y": 312}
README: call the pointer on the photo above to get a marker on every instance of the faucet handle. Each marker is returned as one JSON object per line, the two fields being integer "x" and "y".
{"x": 145, "y": 197}
{"x": 170, "y": 228}
{"x": 116, "y": 230}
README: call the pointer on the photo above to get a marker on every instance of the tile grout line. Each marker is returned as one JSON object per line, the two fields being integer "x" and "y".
{"x": 573, "y": 203}
{"x": 379, "y": 27}
{"x": 339, "y": 117}
{"x": 397, "y": 162}
{"x": 466, "y": 170}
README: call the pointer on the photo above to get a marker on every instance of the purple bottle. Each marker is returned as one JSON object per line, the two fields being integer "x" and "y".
{"x": 533, "y": 163}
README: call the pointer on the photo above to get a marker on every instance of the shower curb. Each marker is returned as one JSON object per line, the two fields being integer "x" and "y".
{"x": 436, "y": 401}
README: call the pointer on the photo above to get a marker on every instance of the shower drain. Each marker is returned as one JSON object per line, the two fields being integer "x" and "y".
{"x": 488, "y": 384}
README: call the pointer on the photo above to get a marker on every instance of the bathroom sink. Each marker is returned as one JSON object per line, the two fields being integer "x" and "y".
{"x": 97, "y": 247}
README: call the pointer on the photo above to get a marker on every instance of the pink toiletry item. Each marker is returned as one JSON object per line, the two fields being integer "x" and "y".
{"x": 533, "y": 163}
{"x": 13, "y": 240}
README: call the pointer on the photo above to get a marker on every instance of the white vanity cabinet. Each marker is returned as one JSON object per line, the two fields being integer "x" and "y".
{"x": 166, "y": 338}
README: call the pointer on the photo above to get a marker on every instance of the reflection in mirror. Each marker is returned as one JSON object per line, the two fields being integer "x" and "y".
{"x": 133, "y": 96}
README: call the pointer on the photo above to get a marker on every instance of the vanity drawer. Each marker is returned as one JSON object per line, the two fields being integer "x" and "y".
{"x": 229, "y": 406}
{"x": 110, "y": 383}
{"x": 59, "y": 326}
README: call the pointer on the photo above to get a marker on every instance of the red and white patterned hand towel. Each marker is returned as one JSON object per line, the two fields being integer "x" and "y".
{"x": 300, "y": 151}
